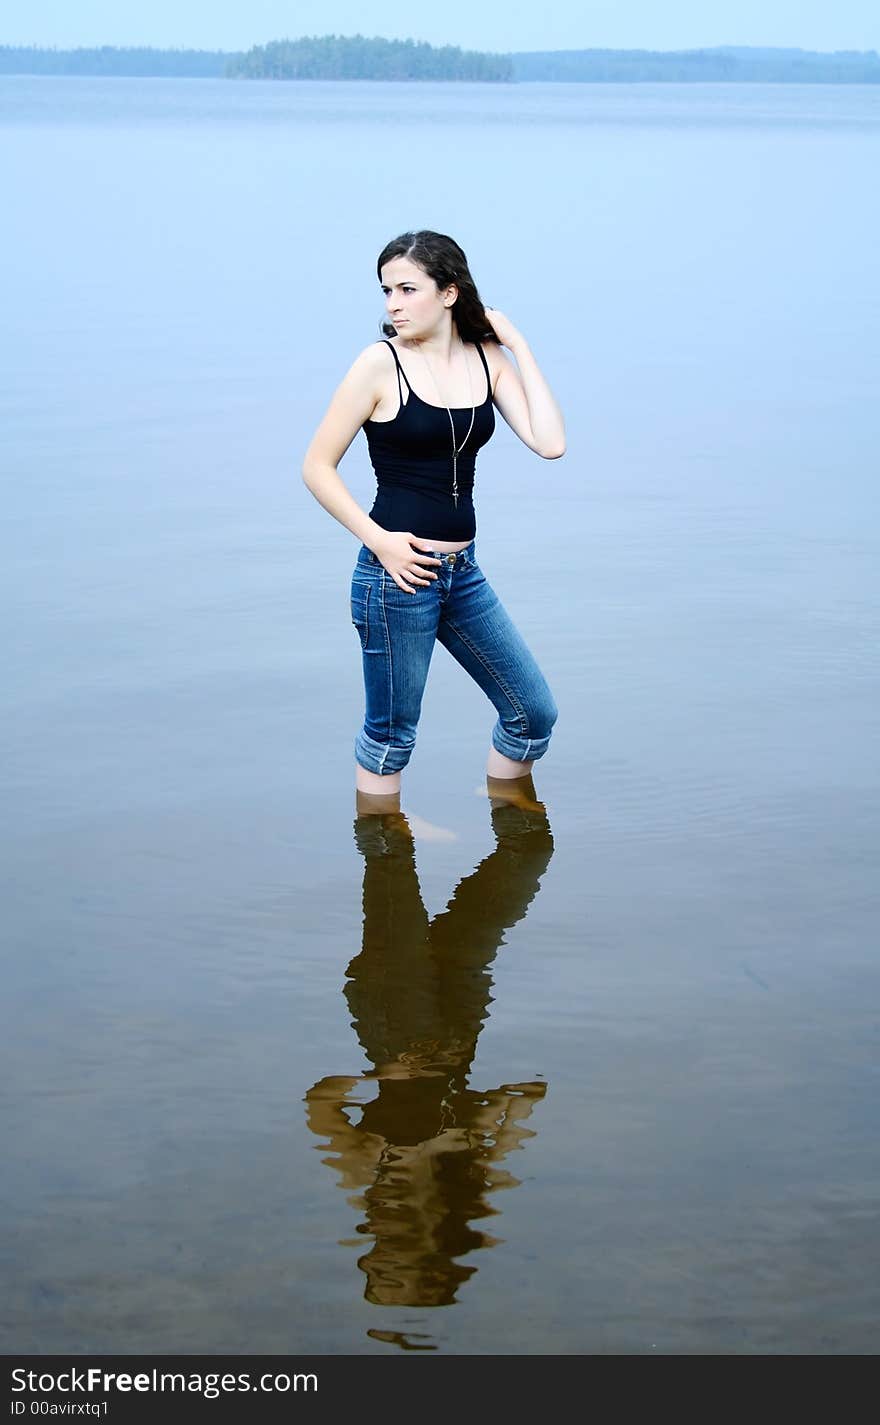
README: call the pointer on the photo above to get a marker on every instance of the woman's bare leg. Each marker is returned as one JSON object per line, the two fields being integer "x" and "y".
{"x": 366, "y": 804}
{"x": 500, "y": 766}
{"x": 378, "y": 786}
{"x": 375, "y": 795}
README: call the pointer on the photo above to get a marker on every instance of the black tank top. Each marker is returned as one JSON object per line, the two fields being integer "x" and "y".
{"x": 412, "y": 458}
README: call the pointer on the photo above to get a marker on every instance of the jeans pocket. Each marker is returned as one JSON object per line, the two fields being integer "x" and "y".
{"x": 360, "y": 610}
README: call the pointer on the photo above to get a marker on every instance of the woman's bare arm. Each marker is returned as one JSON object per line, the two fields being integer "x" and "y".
{"x": 521, "y": 393}
{"x": 353, "y": 402}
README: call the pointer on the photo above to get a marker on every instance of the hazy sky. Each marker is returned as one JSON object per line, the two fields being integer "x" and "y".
{"x": 493, "y": 24}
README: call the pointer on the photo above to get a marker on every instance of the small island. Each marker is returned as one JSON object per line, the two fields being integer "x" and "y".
{"x": 338, "y": 57}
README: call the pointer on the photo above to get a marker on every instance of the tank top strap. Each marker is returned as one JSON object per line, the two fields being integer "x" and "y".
{"x": 485, "y": 368}
{"x": 400, "y": 372}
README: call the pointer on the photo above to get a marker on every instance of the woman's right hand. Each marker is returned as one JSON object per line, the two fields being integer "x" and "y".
{"x": 397, "y": 552}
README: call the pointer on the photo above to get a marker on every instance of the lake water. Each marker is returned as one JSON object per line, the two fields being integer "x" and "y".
{"x": 601, "y": 1077}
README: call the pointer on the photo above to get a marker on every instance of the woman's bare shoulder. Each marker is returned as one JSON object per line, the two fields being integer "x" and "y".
{"x": 369, "y": 367}
{"x": 495, "y": 359}
{"x": 373, "y": 357}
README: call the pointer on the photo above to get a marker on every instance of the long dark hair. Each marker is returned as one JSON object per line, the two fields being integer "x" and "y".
{"x": 442, "y": 258}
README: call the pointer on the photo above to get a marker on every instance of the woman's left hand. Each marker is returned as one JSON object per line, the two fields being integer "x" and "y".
{"x": 503, "y": 327}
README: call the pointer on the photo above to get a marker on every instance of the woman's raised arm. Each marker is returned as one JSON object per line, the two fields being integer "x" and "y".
{"x": 522, "y": 395}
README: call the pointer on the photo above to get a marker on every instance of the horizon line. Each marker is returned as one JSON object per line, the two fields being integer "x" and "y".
{"x": 583, "y": 49}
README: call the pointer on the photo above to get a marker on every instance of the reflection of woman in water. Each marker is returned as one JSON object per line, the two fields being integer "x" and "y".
{"x": 426, "y": 1150}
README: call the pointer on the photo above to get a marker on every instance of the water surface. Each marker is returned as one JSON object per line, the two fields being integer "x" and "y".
{"x": 276, "y": 1081}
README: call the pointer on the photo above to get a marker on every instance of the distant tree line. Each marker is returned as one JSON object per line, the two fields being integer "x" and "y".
{"x": 726, "y": 63}
{"x": 338, "y": 57}
{"x": 110, "y": 60}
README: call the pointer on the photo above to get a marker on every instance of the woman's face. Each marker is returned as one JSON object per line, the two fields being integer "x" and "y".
{"x": 413, "y": 300}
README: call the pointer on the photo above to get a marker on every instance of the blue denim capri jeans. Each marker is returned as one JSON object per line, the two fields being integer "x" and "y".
{"x": 398, "y": 631}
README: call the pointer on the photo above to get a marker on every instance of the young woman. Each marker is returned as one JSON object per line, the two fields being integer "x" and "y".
{"x": 425, "y": 401}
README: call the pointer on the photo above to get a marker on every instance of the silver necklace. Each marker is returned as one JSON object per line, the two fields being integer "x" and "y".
{"x": 456, "y": 451}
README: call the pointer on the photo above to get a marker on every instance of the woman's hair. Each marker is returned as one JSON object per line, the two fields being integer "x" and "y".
{"x": 443, "y": 260}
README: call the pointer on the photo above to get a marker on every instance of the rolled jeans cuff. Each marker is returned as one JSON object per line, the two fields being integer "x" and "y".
{"x": 518, "y": 749}
{"x": 382, "y": 758}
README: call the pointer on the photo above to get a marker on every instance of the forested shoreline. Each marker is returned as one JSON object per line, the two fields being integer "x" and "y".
{"x": 357, "y": 57}
{"x": 110, "y": 60}
{"x": 727, "y": 64}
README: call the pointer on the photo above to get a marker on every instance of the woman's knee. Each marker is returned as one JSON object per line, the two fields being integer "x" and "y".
{"x": 523, "y": 733}
{"x": 535, "y": 714}
{"x": 541, "y": 715}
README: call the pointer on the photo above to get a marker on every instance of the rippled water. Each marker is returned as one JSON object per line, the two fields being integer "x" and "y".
{"x": 597, "y": 1073}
